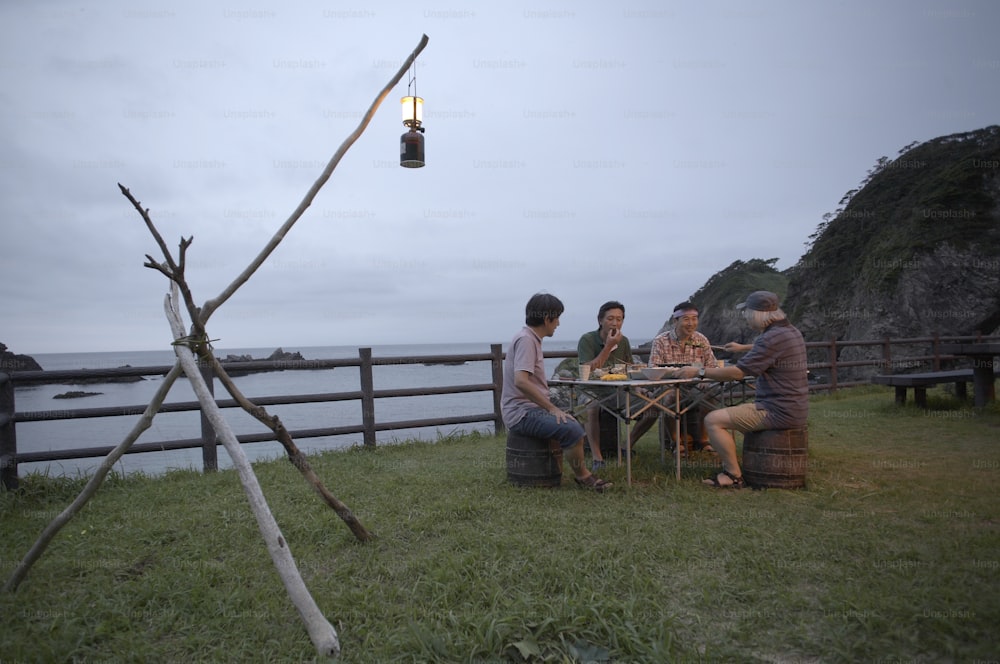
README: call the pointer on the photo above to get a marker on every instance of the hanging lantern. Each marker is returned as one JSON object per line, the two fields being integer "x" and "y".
{"x": 411, "y": 144}
{"x": 413, "y": 111}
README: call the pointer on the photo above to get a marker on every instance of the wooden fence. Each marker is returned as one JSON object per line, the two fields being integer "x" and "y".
{"x": 828, "y": 369}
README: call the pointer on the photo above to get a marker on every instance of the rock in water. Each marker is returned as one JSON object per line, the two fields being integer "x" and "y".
{"x": 11, "y": 362}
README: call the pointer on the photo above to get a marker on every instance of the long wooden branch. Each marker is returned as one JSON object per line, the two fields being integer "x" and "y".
{"x": 174, "y": 270}
{"x": 295, "y": 456}
{"x": 198, "y": 342}
{"x": 321, "y": 632}
{"x": 94, "y": 483}
{"x": 211, "y": 305}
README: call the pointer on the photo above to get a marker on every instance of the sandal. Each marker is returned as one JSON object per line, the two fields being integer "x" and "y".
{"x": 595, "y": 483}
{"x": 713, "y": 481}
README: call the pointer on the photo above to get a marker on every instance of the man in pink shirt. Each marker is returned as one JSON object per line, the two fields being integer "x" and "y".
{"x": 524, "y": 402}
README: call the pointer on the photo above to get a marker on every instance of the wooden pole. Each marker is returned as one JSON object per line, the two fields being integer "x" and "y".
{"x": 367, "y": 396}
{"x": 8, "y": 434}
{"x": 321, "y": 632}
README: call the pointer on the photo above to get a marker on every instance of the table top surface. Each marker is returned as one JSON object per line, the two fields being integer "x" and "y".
{"x": 638, "y": 382}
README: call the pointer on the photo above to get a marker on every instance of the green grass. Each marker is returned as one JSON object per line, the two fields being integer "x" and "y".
{"x": 889, "y": 553}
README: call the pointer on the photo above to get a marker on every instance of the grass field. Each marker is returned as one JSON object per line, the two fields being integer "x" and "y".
{"x": 889, "y": 555}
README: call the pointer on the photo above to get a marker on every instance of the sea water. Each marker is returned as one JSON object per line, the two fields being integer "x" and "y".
{"x": 53, "y": 435}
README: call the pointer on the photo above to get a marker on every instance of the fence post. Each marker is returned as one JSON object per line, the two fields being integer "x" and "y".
{"x": 833, "y": 365}
{"x": 935, "y": 347}
{"x": 367, "y": 396}
{"x": 496, "y": 350}
{"x": 209, "y": 449}
{"x": 8, "y": 435}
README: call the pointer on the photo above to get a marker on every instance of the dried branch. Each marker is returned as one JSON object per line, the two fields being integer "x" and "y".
{"x": 144, "y": 213}
{"x": 295, "y": 456}
{"x": 94, "y": 483}
{"x": 174, "y": 270}
{"x": 198, "y": 342}
{"x": 321, "y": 632}
{"x": 213, "y": 304}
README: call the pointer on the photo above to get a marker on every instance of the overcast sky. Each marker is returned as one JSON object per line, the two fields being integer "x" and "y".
{"x": 594, "y": 150}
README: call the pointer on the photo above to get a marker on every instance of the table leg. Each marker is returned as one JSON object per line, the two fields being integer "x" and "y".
{"x": 677, "y": 433}
{"x": 661, "y": 422}
{"x": 628, "y": 452}
{"x": 628, "y": 436}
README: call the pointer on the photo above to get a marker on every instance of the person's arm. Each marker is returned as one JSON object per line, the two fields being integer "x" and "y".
{"x": 598, "y": 360}
{"x": 523, "y": 382}
{"x": 731, "y": 372}
{"x": 610, "y": 344}
{"x": 734, "y": 347}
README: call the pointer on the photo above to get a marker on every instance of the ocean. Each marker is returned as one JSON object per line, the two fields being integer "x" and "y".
{"x": 95, "y": 432}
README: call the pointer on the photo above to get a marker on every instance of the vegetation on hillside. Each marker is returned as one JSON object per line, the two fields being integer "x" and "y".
{"x": 920, "y": 233}
{"x": 940, "y": 191}
{"x": 717, "y": 299}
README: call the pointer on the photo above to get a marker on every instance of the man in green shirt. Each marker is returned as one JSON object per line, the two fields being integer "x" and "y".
{"x": 605, "y": 347}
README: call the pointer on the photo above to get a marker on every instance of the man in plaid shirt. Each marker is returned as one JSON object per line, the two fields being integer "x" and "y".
{"x": 684, "y": 344}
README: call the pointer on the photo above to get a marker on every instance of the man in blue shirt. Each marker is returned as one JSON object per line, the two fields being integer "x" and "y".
{"x": 777, "y": 359}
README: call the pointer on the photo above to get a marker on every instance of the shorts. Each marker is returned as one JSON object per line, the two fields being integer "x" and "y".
{"x": 745, "y": 417}
{"x": 539, "y": 423}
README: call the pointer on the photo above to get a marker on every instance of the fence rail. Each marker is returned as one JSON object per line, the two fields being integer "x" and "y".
{"x": 826, "y": 372}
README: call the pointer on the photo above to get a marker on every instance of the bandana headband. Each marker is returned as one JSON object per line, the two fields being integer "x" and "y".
{"x": 681, "y": 312}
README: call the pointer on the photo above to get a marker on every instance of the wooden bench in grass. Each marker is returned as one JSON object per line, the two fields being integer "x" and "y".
{"x": 921, "y": 381}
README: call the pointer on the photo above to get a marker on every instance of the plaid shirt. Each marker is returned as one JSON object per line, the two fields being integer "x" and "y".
{"x": 667, "y": 349}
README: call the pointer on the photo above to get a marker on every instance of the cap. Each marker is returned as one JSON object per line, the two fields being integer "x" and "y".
{"x": 761, "y": 300}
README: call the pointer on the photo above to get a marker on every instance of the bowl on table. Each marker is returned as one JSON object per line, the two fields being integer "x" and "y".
{"x": 656, "y": 373}
{"x": 636, "y": 373}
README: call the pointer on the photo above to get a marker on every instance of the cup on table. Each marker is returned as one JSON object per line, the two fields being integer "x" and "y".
{"x": 584, "y": 372}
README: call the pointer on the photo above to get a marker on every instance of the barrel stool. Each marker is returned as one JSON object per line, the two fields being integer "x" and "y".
{"x": 776, "y": 458}
{"x": 531, "y": 462}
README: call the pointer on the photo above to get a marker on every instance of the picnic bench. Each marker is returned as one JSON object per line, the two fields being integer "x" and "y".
{"x": 921, "y": 381}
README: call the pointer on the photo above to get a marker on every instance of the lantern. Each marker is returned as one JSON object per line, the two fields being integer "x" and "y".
{"x": 411, "y": 144}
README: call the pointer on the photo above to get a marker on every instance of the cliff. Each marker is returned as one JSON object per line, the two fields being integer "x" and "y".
{"x": 912, "y": 252}
{"x": 717, "y": 299}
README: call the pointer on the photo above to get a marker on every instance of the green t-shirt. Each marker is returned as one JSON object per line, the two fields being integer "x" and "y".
{"x": 591, "y": 345}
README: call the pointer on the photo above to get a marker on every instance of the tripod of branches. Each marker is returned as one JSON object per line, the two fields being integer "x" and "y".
{"x": 192, "y": 344}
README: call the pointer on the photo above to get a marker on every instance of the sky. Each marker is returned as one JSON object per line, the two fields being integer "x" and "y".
{"x": 596, "y": 151}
